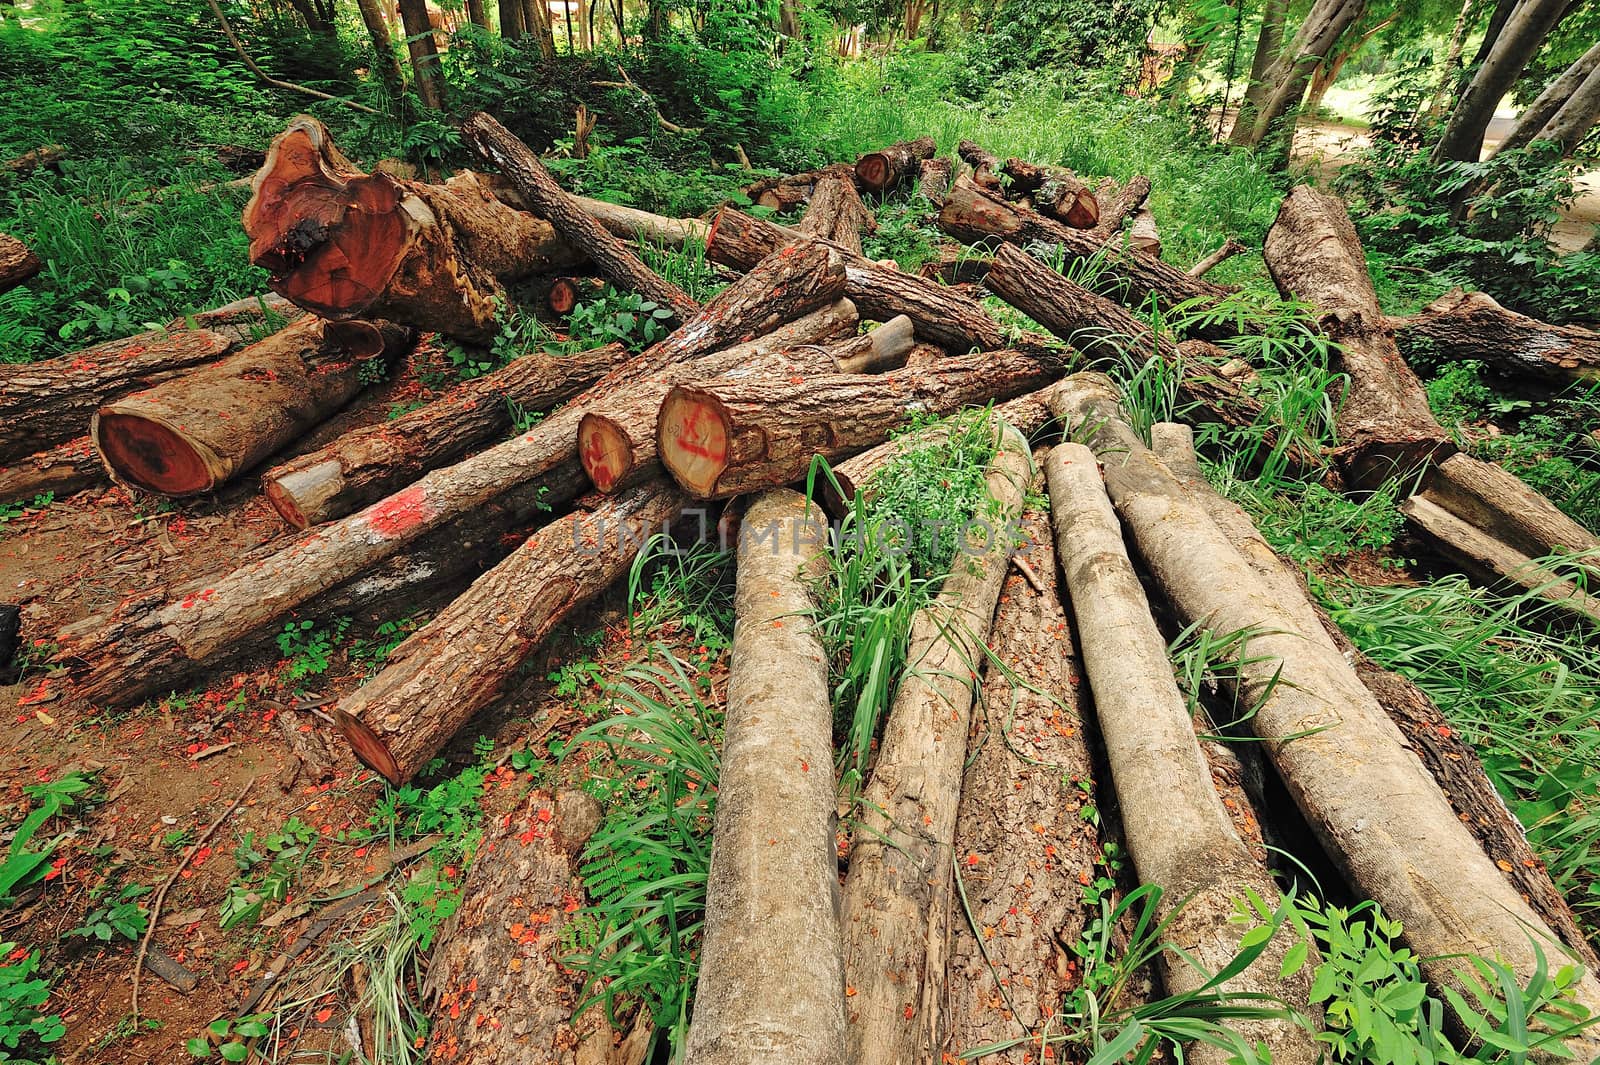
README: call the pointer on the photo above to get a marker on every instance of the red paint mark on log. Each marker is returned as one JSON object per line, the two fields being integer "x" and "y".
{"x": 400, "y": 513}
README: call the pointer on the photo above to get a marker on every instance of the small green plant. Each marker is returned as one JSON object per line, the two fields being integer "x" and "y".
{"x": 118, "y": 916}
{"x": 229, "y": 1037}
{"x": 309, "y": 647}
{"x": 23, "y": 867}
{"x": 618, "y": 317}
{"x": 9, "y": 512}
{"x": 374, "y": 650}
{"x": 268, "y": 866}
{"x": 23, "y": 1027}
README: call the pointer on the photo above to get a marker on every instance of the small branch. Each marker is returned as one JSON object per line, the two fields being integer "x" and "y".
{"x": 628, "y": 83}
{"x": 1027, "y": 573}
{"x": 233, "y": 39}
{"x": 1230, "y": 248}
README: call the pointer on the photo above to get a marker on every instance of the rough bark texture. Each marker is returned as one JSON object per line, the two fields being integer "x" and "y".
{"x": 610, "y": 256}
{"x": 1029, "y": 773}
{"x": 1268, "y": 43}
{"x": 1068, "y": 200}
{"x": 62, "y": 470}
{"x": 836, "y": 213}
{"x": 33, "y": 159}
{"x": 495, "y": 982}
{"x": 344, "y": 244}
{"x": 1532, "y": 120}
{"x": 394, "y": 80}
{"x": 17, "y": 262}
{"x": 1144, "y": 235}
{"x": 885, "y": 348}
{"x": 885, "y": 169}
{"x": 244, "y": 320}
{"x": 1512, "y": 47}
{"x": 985, "y": 165}
{"x": 426, "y": 73}
{"x": 791, "y": 190}
{"x": 934, "y": 179}
{"x": 720, "y": 438}
{"x": 629, "y": 223}
{"x": 456, "y": 664}
{"x": 1378, "y": 813}
{"x": 899, "y": 893}
{"x": 1465, "y": 326}
{"x": 194, "y": 433}
{"x": 366, "y": 464}
{"x": 1115, "y": 210}
{"x": 771, "y": 987}
{"x": 956, "y": 264}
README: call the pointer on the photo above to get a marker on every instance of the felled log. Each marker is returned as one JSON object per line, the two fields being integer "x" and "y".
{"x": 34, "y": 159}
{"x": 1021, "y": 817}
{"x": 836, "y": 213}
{"x": 495, "y": 985}
{"x": 46, "y": 403}
{"x": 194, "y": 433}
{"x": 244, "y": 320}
{"x": 956, "y": 264}
{"x": 344, "y": 244}
{"x": 883, "y": 170}
{"x": 1228, "y": 250}
{"x": 1178, "y": 832}
{"x": 366, "y": 464}
{"x": 456, "y": 664}
{"x": 62, "y": 470}
{"x": 616, "y": 437}
{"x": 565, "y": 293}
{"x": 611, "y": 258}
{"x": 1144, "y": 235}
{"x": 1461, "y": 326}
{"x": 771, "y": 959}
{"x": 720, "y": 438}
{"x": 144, "y": 644}
{"x": 1374, "y": 807}
{"x": 1119, "y": 204}
{"x": 17, "y": 262}
{"x": 884, "y": 348}
{"x": 791, "y": 190}
{"x": 630, "y": 223}
{"x": 933, "y": 180}
{"x": 1068, "y": 200}
{"x": 974, "y": 216}
{"x": 985, "y": 164}
{"x": 899, "y": 892}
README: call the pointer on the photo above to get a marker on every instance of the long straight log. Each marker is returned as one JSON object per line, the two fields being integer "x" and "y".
{"x": 366, "y": 464}
{"x": 1459, "y": 326}
{"x": 1374, "y": 807}
{"x": 1180, "y": 835}
{"x": 1118, "y": 205}
{"x": 883, "y": 170}
{"x": 899, "y": 892}
{"x": 17, "y": 262}
{"x": 771, "y": 986}
{"x": 836, "y": 213}
{"x": 720, "y": 438}
{"x": 61, "y": 471}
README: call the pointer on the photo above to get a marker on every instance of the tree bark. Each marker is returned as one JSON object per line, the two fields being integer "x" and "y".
{"x": 782, "y": 193}
{"x": 721, "y": 438}
{"x": 34, "y": 159}
{"x": 1572, "y": 123}
{"x": 367, "y": 464}
{"x": 1144, "y": 236}
{"x": 1531, "y": 123}
{"x": 1180, "y": 835}
{"x": 1274, "y": 121}
{"x": 885, "y": 169}
{"x": 1117, "y": 209}
{"x": 1368, "y": 798}
{"x": 1068, "y": 200}
{"x": 885, "y": 348}
{"x": 898, "y": 894}
{"x": 536, "y": 20}
{"x": 934, "y": 179}
{"x": 495, "y": 985}
{"x": 512, "y": 20}
{"x": 445, "y": 672}
{"x": 387, "y": 62}
{"x": 195, "y": 433}
{"x": 1514, "y": 46}
{"x": 836, "y": 213}
{"x": 1462, "y": 326}
{"x": 1452, "y": 59}
{"x": 61, "y": 471}
{"x": 424, "y": 49}
{"x": 611, "y": 258}
{"x": 771, "y": 986}
{"x": 1327, "y": 71}
{"x": 1268, "y": 46}
{"x": 985, "y": 164}
{"x": 344, "y": 244}
{"x": 17, "y": 263}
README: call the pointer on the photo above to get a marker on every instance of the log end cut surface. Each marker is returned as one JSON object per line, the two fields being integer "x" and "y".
{"x": 152, "y": 455}
{"x": 692, "y": 439}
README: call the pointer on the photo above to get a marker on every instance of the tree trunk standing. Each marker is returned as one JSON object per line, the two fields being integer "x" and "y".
{"x": 1535, "y": 116}
{"x": 424, "y": 49}
{"x": 445, "y": 672}
{"x": 1471, "y": 326}
{"x": 512, "y": 19}
{"x": 477, "y": 15}
{"x": 1377, "y": 812}
{"x": 585, "y": 20}
{"x": 1576, "y": 117}
{"x": 17, "y": 262}
{"x": 536, "y": 19}
{"x": 1513, "y": 48}
{"x": 63, "y": 470}
{"x": 1328, "y": 69}
{"x": 195, "y": 433}
{"x": 1450, "y": 70}
{"x": 1274, "y": 121}
{"x": 387, "y": 62}
{"x": 367, "y": 464}
{"x": 771, "y": 986}
{"x": 898, "y": 895}
{"x": 1269, "y": 43}
{"x": 1029, "y": 775}
{"x": 611, "y": 257}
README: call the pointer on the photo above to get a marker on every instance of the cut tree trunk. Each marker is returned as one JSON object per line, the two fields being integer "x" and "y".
{"x": 1508, "y": 56}
{"x": 17, "y": 262}
{"x": 885, "y": 348}
{"x": 771, "y": 981}
{"x": 34, "y": 159}
{"x": 1533, "y": 119}
{"x": 244, "y": 321}
{"x": 194, "y": 433}
{"x": 1378, "y": 813}
{"x": 985, "y": 165}
{"x": 629, "y": 223}
{"x": 899, "y": 893}
{"x": 836, "y": 213}
{"x": 452, "y": 667}
{"x": 565, "y": 293}
{"x": 956, "y": 264}
{"x": 1028, "y": 778}
{"x": 611, "y": 258}
{"x": 1229, "y": 249}
{"x": 1462, "y": 326}
{"x": 883, "y": 170}
{"x": 366, "y": 464}
{"x": 144, "y": 644}
{"x": 1117, "y": 209}
{"x": 616, "y": 438}
{"x": 1179, "y": 834}
{"x": 1066, "y": 199}
{"x": 721, "y": 438}
{"x": 1144, "y": 235}
{"x": 791, "y": 190}
{"x": 62, "y": 470}
{"x": 495, "y": 984}
{"x": 934, "y": 179}
{"x": 345, "y": 244}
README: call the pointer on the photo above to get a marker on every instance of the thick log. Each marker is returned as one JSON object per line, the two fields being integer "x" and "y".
{"x": 720, "y": 438}
{"x": 1068, "y": 200}
{"x": 630, "y": 223}
{"x": 61, "y": 471}
{"x": 1145, "y": 236}
{"x": 344, "y": 244}
{"x": 143, "y": 644}
{"x": 789, "y": 190}
{"x": 956, "y": 264}
{"x": 985, "y": 164}
{"x": 973, "y": 216}
{"x": 195, "y": 433}
{"x": 884, "y": 348}
{"x": 565, "y": 293}
{"x": 1117, "y": 205}
{"x": 46, "y": 403}
{"x": 1461, "y": 326}
{"x": 611, "y": 258}
{"x": 1373, "y": 805}
{"x": 1228, "y": 250}
{"x": 771, "y": 981}
{"x": 445, "y": 672}
{"x": 17, "y": 262}
{"x": 245, "y": 320}
{"x": 836, "y": 213}
{"x": 1180, "y": 835}
{"x": 495, "y": 985}
{"x": 933, "y": 180}
{"x": 883, "y": 170}
{"x": 898, "y": 894}
{"x": 1027, "y": 779}
{"x": 616, "y": 437}
{"x": 366, "y": 464}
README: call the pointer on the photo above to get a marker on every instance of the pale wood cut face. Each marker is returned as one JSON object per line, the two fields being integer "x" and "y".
{"x": 693, "y": 440}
